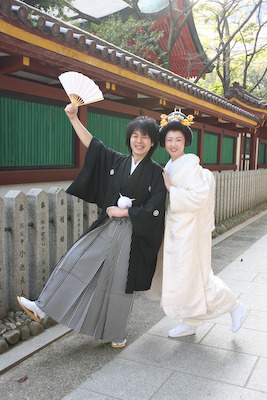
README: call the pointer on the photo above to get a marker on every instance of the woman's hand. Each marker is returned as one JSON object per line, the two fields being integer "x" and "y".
{"x": 167, "y": 180}
{"x": 116, "y": 212}
{"x": 71, "y": 110}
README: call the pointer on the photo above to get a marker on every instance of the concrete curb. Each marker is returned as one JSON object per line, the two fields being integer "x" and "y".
{"x": 28, "y": 348}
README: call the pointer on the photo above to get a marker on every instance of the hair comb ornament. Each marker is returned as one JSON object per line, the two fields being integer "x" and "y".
{"x": 182, "y": 118}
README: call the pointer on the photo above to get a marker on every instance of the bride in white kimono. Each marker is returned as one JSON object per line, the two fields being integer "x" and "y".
{"x": 190, "y": 290}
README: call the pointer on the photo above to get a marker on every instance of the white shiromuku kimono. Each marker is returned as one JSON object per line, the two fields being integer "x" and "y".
{"x": 190, "y": 290}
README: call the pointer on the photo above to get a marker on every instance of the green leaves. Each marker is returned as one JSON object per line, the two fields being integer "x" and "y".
{"x": 139, "y": 37}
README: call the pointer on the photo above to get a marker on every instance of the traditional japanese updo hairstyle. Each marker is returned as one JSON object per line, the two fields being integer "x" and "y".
{"x": 147, "y": 126}
{"x": 176, "y": 121}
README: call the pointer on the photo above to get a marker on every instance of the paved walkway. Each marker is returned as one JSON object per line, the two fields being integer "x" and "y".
{"x": 214, "y": 364}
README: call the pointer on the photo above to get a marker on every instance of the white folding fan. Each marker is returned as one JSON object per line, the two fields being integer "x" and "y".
{"x": 80, "y": 89}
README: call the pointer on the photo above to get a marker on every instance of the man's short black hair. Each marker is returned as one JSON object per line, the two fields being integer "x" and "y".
{"x": 147, "y": 126}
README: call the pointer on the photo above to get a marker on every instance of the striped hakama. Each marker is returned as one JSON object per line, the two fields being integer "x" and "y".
{"x": 86, "y": 290}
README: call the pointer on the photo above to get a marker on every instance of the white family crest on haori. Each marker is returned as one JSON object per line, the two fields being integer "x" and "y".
{"x": 80, "y": 89}
{"x": 125, "y": 202}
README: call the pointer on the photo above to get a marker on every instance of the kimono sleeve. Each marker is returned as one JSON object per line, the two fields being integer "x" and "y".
{"x": 147, "y": 220}
{"x": 196, "y": 193}
{"x": 90, "y": 183}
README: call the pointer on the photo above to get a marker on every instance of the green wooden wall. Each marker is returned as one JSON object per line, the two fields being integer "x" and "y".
{"x": 34, "y": 134}
{"x": 228, "y": 150}
{"x": 210, "y": 148}
{"x": 109, "y": 129}
{"x": 262, "y": 152}
{"x": 194, "y": 146}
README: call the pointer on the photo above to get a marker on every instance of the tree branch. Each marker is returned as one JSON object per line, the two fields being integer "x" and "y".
{"x": 82, "y": 15}
{"x": 259, "y": 81}
{"x": 134, "y": 5}
{"x": 204, "y": 69}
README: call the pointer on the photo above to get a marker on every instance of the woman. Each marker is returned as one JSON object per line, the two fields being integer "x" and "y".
{"x": 190, "y": 290}
{"x": 92, "y": 288}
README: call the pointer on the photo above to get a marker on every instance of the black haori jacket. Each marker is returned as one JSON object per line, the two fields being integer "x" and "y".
{"x": 105, "y": 174}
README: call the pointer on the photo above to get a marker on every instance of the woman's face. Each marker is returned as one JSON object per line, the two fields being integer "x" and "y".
{"x": 174, "y": 144}
{"x": 140, "y": 144}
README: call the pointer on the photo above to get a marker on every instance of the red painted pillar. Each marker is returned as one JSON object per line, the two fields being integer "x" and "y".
{"x": 253, "y": 151}
{"x": 219, "y": 150}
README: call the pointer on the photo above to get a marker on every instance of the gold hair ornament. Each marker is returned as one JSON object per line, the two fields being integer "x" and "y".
{"x": 186, "y": 121}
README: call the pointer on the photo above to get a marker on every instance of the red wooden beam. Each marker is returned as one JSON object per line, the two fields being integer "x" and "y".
{"x": 11, "y": 64}
{"x": 13, "y": 177}
{"x": 31, "y": 88}
{"x": 43, "y": 68}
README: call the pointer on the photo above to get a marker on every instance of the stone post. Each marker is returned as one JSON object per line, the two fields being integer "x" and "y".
{"x": 16, "y": 246}
{"x": 2, "y": 262}
{"x": 222, "y": 197}
{"x": 217, "y": 197}
{"x": 75, "y": 219}
{"x": 38, "y": 208}
{"x": 231, "y": 188}
{"x": 89, "y": 214}
{"x": 58, "y": 225}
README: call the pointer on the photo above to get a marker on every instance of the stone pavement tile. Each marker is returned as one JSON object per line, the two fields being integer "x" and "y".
{"x": 237, "y": 286}
{"x": 182, "y": 386}
{"x": 162, "y": 328}
{"x": 253, "y": 262}
{"x": 125, "y": 380}
{"x": 259, "y": 289}
{"x": 245, "y": 266}
{"x": 256, "y": 320}
{"x": 83, "y": 394}
{"x": 258, "y": 379}
{"x": 245, "y": 341}
{"x": 206, "y": 361}
{"x": 247, "y": 276}
{"x": 224, "y": 319}
{"x": 254, "y": 302}
{"x": 261, "y": 279}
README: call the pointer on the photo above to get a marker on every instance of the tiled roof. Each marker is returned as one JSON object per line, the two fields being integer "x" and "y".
{"x": 87, "y": 43}
{"x": 241, "y": 94}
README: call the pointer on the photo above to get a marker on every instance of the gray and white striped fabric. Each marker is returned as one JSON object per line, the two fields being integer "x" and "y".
{"x": 86, "y": 290}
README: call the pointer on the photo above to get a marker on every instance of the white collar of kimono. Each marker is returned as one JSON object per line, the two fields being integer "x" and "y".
{"x": 171, "y": 164}
{"x": 133, "y": 166}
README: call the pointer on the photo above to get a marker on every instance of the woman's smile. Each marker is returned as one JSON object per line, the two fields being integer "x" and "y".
{"x": 174, "y": 144}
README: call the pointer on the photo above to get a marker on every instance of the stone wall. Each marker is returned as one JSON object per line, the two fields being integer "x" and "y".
{"x": 35, "y": 231}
